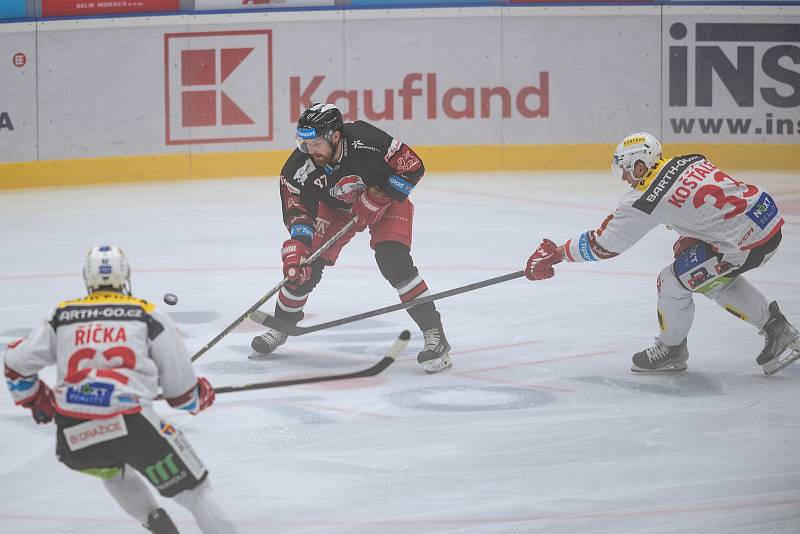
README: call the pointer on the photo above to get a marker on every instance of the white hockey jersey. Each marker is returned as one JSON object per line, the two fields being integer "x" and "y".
{"x": 693, "y": 197}
{"x": 112, "y": 353}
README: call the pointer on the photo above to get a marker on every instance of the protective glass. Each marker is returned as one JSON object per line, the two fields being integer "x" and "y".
{"x": 307, "y": 138}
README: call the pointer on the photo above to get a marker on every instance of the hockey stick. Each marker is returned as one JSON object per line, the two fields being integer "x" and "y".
{"x": 395, "y": 350}
{"x": 325, "y": 246}
{"x": 265, "y": 319}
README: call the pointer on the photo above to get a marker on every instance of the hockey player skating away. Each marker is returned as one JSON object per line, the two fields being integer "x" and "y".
{"x": 726, "y": 228}
{"x": 112, "y": 352}
{"x": 340, "y": 171}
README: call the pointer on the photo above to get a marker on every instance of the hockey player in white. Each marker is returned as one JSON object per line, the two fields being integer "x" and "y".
{"x": 112, "y": 353}
{"x": 726, "y": 228}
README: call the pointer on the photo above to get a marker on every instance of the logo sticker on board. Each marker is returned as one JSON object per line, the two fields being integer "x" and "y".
{"x": 218, "y": 87}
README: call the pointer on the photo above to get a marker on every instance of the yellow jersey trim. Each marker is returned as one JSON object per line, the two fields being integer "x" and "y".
{"x": 108, "y": 297}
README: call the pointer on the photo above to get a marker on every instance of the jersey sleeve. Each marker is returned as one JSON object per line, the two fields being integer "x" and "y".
{"x": 397, "y": 168}
{"x": 405, "y": 170}
{"x": 168, "y": 351}
{"x": 617, "y": 233}
{"x": 298, "y": 202}
{"x": 25, "y": 358}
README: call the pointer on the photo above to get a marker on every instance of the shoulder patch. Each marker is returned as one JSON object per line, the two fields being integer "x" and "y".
{"x": 663, "y": 180}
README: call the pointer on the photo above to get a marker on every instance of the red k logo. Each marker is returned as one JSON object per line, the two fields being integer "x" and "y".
{"x": 218, "y": 87}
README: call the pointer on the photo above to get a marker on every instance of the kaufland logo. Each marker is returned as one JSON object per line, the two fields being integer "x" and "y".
{"x": 218, "y": 87}
{"x": 425, "y": 96}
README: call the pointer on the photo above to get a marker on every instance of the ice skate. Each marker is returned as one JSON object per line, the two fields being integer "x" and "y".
{"x": 435, "y": 355}
{"x": 781, "y": 342}
{"x": 267, "y": 342}
{"x": 661, "y": 358}
{"x": 159, "y": 522}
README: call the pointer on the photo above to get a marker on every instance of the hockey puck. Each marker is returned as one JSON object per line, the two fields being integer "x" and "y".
{"x": 171, "y": 298}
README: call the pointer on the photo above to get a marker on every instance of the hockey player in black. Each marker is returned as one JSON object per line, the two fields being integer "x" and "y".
{"x": 338, "y": 172}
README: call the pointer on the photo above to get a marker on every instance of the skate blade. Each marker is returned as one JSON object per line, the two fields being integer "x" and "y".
{"x": 256, "y": 357}
{"x": 261, "y": 348}
{"x": 671, "y": 369}
{"x": 437, "y": 365}
{"x": 777, "y": 364}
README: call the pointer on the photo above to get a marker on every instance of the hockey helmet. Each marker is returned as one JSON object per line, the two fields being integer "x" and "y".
{"x": 319, "y": 120}
{"x": 106, "y": 267}
{"x": 640, "y": 146}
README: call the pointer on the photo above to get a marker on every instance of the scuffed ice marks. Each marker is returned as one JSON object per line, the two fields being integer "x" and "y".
{"x": 469, "y": 398}
{"x": 693, "y": 384}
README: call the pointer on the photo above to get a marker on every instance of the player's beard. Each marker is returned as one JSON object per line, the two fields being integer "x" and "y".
{"x": 326, "y": 159}
{"x": 321, "y": 161}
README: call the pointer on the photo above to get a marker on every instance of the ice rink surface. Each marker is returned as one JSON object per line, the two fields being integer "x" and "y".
{"x": 539, "y": 426}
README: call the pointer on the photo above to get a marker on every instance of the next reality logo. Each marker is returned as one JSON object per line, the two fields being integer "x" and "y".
{"x": 754, "y": 62}
{"x": 218, "y": 87}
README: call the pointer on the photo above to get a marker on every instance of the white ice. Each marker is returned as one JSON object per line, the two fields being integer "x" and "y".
{"x": 539, "y": 426}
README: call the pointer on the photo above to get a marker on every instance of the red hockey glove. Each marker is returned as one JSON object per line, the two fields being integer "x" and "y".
{"x": 540, "y": 264}
{"x": 293, "y": 252}
{"x": 368, "y": 208}
{"x": 205, "y": 395}
{"x": 42, "y": 405}
{"x": 683, "y": 244}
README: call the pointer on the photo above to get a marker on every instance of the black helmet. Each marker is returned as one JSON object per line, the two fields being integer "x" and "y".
{"x": 318, "y": 120}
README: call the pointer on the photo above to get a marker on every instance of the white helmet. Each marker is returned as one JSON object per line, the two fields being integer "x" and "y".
{"x": 107, "y": 267}
{"x": 640, "y": 146}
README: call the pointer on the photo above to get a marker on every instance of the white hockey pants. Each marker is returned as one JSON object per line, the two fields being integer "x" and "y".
{"x": 676, "y": 304}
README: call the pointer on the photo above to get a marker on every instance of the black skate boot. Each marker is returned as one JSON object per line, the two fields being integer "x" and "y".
{"x": 267, "y": 342}
{"x": 661, "y": 358}
{"x": 159, "y": 522}
{"x": 779, "y": 336}
{"x": 435, "y": 355}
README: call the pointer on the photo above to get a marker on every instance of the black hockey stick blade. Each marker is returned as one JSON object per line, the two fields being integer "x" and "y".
{"x": 270, "y": 321}
{"x": 396, "y": 349}
{"x": 239, "y": 320}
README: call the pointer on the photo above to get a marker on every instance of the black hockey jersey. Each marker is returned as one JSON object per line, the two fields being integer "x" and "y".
{"x": 370, "y": 158}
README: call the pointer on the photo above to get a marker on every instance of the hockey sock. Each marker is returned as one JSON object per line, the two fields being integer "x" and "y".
{"x": 289, "y": 306}
{"x": 132, "y": 494}
{"x": 201, "y": 502}
{"x": 675, "y": 308}
{"x": 425, "y": 315}
{"x": 743, "y": 300}
{"x": 394, "y": 261}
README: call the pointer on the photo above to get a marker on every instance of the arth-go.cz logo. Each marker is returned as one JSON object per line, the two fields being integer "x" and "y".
{"x": 218, "y": 87}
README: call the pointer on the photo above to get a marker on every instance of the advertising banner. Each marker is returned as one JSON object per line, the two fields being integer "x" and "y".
{"x": 13, "y": 9}
{"x": 731, "y": 79}
{"x": 206, "y": 5}
{"x": 468, "y": 76}
{"x": 216, "y": 85}
{"x": 18, "y": 93}
{"x": 68, "y": 8}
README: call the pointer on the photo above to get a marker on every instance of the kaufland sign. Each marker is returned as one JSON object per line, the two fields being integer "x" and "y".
{"x": 424, "y": 96}
{"x": 218, "y": 87}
